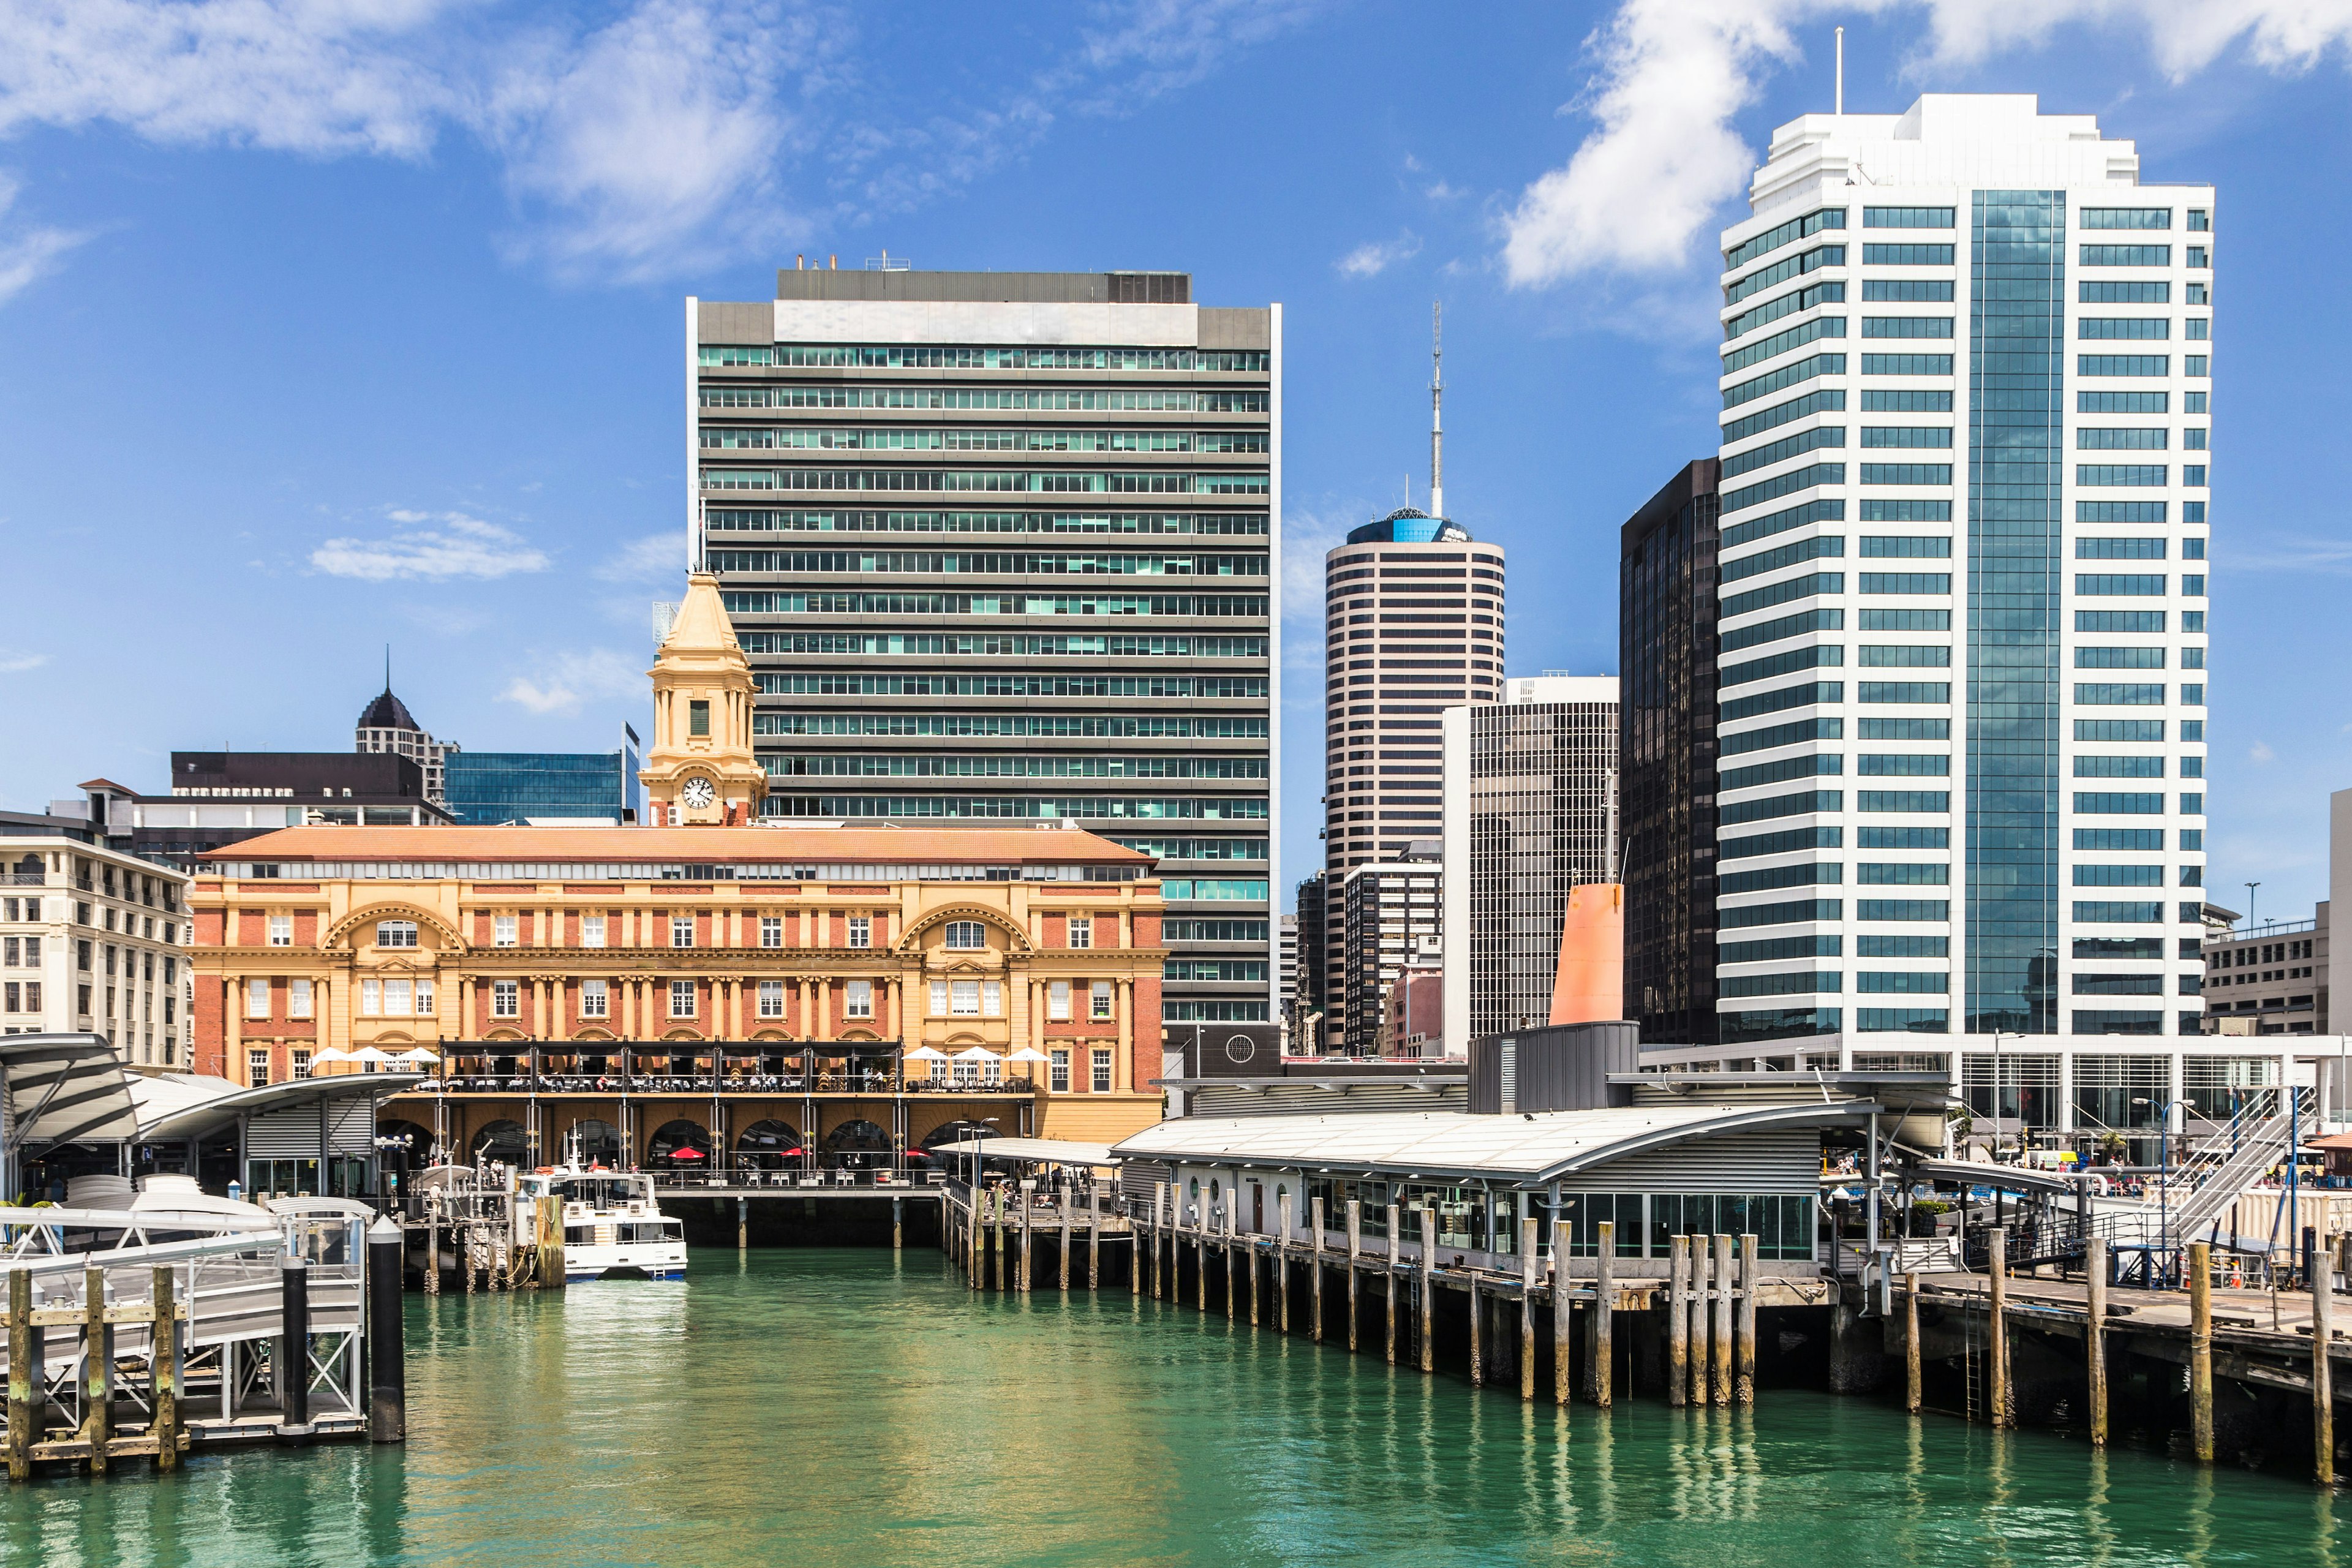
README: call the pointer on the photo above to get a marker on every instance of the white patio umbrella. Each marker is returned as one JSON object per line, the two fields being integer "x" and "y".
{"x": 331, "y": 1054}
{"x": 1028, "y": 1054}
{"x": 977, "y": 1054}
{"x": 368, "y": 1054}
{"x": 926, "y": 1054}
{"x": 417, "y": 1057}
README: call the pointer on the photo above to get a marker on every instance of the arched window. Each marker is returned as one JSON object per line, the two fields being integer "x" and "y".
{"x": 395, "y": 933}
{"x": 967, "y": 935}
{"x": 768, "y": 1145}
{"x": 502, "y": 1142}
{"x": 678, "y": 1145}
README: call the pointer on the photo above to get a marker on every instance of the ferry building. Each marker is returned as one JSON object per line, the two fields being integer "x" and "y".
{"x": 709, "y": 989}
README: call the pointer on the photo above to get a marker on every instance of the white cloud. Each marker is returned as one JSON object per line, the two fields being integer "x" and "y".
{"x": 2261, "y": 753}
{"x": 655, "y": 556}
{"x": 17, "y": 660}
{"x": 560, "y": 682}
{"x": 1307, "y": 538}
{"x": 1376, "y": 257}
{"x": 637, "y": 138}
{"x": 1664, "y": 162}
{"x": 27, "y": 253}
{"x": 456, "y": 546}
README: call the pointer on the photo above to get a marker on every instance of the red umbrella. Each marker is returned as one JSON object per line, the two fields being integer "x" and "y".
{"x": 688, "y": 1154}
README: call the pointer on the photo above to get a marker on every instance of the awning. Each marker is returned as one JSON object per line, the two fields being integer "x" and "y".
{"x": 183, "y": 1108}
{"x": 2006, "y": 1178}
{"x": 1032, "y": 1151}
{"x": 63, "y": 1088}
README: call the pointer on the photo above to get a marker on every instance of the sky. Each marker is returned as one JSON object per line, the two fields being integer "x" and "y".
{"x": 332, "y": 324}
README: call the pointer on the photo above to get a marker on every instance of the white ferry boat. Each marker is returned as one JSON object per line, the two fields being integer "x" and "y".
{"x": 612, "y": 1228}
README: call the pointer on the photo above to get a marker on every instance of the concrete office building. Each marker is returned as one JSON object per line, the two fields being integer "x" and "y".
{"x": 1991, "y": 618}
{"x": 1665, "y": 814}
{"x": 1310, "y": 992}
{"x": 1531, "y": 792}
{"x": 2268, "y": 979}
{"x": 1002, "y": 546}
{"x": 93, "y": 940}
{"x": 1394, "y": 912}
{"x": 219, "y": 798}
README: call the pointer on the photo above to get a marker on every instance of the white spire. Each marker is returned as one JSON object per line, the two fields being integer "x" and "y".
{"x": 1436, "y": 409}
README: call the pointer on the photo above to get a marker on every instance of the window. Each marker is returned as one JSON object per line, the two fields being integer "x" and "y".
{"x": 301, "y": 1059}
{"x": 1057, "y": 1001}
{"x": 423, "y": 998}
{"x": 1059, "y": 1080}
{"x": 256, "y": 999}
{"x": 395, "y": 933}
{"x": 257, "y": 1068}
{"x": 698, "y": 717}
{"x": 771, "y": 998}
{"x": 1099, "y": 1007}
{"x": 681, "y": 998}
{"x": 397, "y": 998}
{"x": 1908, "y": 291}
{"x": 1906, "y": 217}
{"x": 772, "y": 930}
{"x": 1100, "y": 1077}
{"x": 594, "y": 1001}
{"x": 857, "y": 1001}
{"x": 592, "y": 931}
{"x": 967, "y": 936}
{"x": 2123, "y": 364}
{"x": 964, "y": 999}
{"x": 502, "y": 930}
{"x": 2109, "y": 439}
{"x": 991, "y": 999}
{"x": 2151, "y": 329}
{"x": 1082, "y": 931}
{"x": 506, "y": 999}
{"x": 681, "y": 931}
{"x": 1907, "y": 436}
{"x": 1906, "y": 327}
{"x": 938, "y": 998}
{"x": 370, "y": 998}
{"x": 861, "y": 930}
{"x": 281, "y": 931}
{"x": 297, "y": 998}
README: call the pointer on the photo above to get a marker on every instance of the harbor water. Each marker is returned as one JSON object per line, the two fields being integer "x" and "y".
{"x": 858, "y": 1407}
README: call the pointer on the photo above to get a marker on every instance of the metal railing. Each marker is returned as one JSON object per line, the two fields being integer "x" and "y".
{"x": 704, "y": 1084}
{"x": 883, "y": 1178}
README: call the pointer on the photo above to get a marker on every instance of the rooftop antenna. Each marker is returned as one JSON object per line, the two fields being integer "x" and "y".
{"x": 1840, "y": 70}
{"x": 387, "y": 667}
{"x": 1436, "y": 409}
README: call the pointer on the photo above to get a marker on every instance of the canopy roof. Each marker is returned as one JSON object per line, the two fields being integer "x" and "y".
{"x": 1528, "y": 1148}
{"x": 62, "y": 1089}
{"x": 187, "y": 1105}
{"x": 1032, "y": 1150}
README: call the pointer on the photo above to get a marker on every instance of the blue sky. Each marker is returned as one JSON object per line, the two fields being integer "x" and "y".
{"x": 325, "y": 325}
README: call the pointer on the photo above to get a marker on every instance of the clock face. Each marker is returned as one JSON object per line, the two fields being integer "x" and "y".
{"x": 698, "y": 793}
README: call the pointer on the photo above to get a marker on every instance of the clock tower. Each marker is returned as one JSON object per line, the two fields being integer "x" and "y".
{"x": 700, "y": 769}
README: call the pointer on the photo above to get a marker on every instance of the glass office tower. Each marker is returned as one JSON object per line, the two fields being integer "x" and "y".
{"x": 1961, "y": 687}
{"x": 1003, "y": 545}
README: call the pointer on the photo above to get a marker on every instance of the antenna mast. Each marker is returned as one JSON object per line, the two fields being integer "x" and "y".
{"x": 1436, "y": 409}
{"x": 1840, "y": 70}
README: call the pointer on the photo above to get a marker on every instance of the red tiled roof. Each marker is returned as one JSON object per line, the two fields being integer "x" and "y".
{"x": 926, "y": 844}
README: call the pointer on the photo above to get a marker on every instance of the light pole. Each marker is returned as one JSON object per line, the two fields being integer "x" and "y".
{"x": 2250, "y": 901}
{"x": 2164, "y": 1170}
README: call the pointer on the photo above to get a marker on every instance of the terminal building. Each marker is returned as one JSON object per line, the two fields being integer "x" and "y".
{"x": 690, "y": 991}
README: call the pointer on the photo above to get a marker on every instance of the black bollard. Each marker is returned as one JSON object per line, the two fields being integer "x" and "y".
{"x": 387, "y": 1359}
{"x": 293, "y": 1350}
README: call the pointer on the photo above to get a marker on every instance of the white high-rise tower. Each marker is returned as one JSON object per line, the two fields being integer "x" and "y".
{"x": 1963, "y": 667}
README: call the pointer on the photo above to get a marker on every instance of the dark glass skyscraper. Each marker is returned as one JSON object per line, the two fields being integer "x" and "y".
{"x": 1666, "y": 772}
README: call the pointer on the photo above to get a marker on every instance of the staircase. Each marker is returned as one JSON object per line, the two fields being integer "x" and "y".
{"x": 2231, "y": 1163}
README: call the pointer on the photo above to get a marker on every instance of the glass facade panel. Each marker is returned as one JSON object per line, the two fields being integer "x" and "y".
{"x": 2016, "y": 469}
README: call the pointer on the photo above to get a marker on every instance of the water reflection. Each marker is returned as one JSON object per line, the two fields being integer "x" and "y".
{"x": 819, "y": 1408}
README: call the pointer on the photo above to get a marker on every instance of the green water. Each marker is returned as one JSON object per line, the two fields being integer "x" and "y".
{"x": 847, "y": 1407}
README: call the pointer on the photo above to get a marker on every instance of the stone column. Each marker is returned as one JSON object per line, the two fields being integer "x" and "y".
{"x": 1123, "y": 1065}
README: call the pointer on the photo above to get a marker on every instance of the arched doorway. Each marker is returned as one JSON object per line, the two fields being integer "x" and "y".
{"x": 770, "y": 1145}
{"x": 502, "y": 1142}
{"x": 402, "y": 1149}
{"x": 678, "y": 1145}
{"x": 955, "y": 1132}
{"x": 593, "y": 1141}
{"x": 858, "y": 1145}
